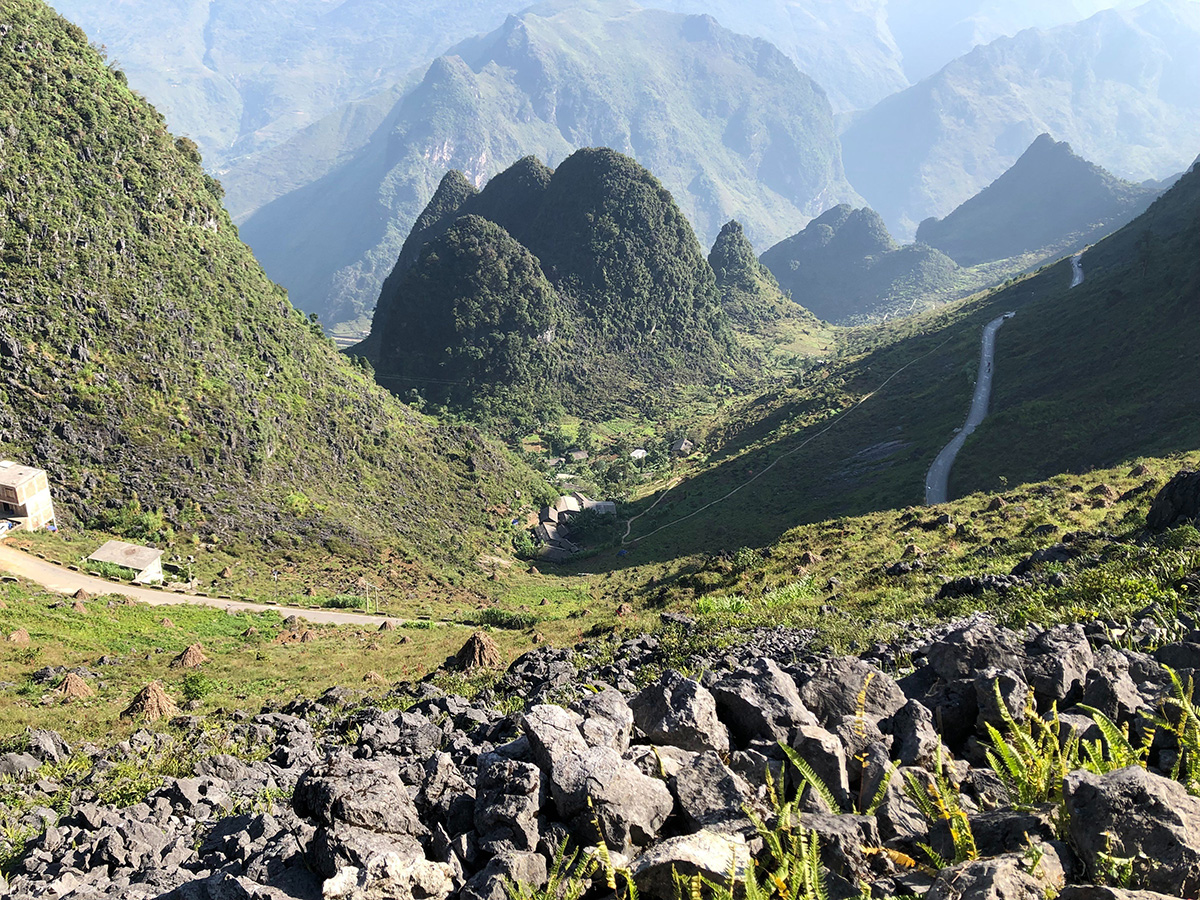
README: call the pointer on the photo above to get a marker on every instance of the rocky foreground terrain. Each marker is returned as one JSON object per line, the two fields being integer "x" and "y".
{"x": 937, "y": 766}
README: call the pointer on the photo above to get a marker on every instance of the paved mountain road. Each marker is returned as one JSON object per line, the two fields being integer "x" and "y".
{"x": 1077, "y": 270}
{"x": 64, "y": 581}
{"x": 938, "y": 479}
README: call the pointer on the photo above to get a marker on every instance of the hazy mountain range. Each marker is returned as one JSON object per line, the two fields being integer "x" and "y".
{"x": 727, "y": 122}
{"x": 1119, "y": 86}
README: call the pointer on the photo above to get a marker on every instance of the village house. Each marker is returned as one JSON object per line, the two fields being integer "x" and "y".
{"x": 144, "y": 562}
{"x": 682, "y": 447}
{"x": 553, "y": 530}
{"x": 25, "y": 502}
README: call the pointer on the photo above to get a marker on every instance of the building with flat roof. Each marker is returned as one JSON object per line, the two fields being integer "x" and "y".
{"x": 25, "y": 502}
{"x": 144, "y": 562}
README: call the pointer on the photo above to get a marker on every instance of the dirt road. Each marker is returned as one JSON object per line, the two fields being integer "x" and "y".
{"x": 64, "y": 581}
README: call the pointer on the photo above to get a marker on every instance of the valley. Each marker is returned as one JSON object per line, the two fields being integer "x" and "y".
{"x": 541, "y": 467}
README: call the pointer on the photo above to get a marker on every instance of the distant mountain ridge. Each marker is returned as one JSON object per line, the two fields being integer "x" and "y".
{"x": 574, "y": 289}
{"x": 1120, "y": 87}
{"x": 845, "y": 266}
{"x": 1050, "y": 200}
{"x": 727, "y": 122}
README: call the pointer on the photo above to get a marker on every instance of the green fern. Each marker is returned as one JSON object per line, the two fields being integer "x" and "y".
{"x": 1181, "y": 717}
{"x": 939, "y": 803}
{"x": 1115, "y": 750}
{"x": 1031, "y": 758}
{"x": 569, "y": 879}
{"x": 812, "y": 779}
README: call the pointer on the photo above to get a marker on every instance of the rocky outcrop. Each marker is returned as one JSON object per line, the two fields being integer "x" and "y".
{"x": 428, "y": 796}
{"x": 1177, "y": 502}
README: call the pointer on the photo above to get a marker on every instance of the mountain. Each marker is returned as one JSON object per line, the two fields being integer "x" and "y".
{"x": 1107, "y": 371}
{"x": 240, "y": 77}
{"x": 150, "y": 366}
{"x": 1119, "y": 87}
{"x": 576, "y": 289}
{"x": 1050, "y": 202}
{"x": 931, "y": 33}
{"x": 750, "y": 295}
{"x": 845, "y": 266}
{"x": 728, "y": 123}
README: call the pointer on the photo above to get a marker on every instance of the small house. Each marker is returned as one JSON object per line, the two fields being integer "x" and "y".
{"x": 600, "y": 507}
{"x": 568, "y": 503}
{"x": 25, "y": 502}
{"x": 577, "y": 455}
{"x": 639, "y": 454}
{"x": 144, "y": 562}
{"x": 682, "y": 447}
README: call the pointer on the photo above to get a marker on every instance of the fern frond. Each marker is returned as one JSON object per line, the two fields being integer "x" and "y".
{"x": 811, "y": 778}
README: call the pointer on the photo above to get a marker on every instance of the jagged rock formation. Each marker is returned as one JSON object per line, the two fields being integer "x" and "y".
{"x": 411, "y": 808}
{"x": 1050, "y": 202}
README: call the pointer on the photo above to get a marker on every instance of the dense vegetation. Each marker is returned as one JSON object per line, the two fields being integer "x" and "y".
{"x": 634, "y": 310}
{"x": 169, "y": 387}
{"x": 474, "y": 323}
{"x": 750, "y": 295}
{"x": 728, "y": 123}
{"x": 845, "y": 265}
{"x": 1050, "y": 202}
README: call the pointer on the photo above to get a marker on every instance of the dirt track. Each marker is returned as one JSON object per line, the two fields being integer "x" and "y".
{"x": 65, "y": 581}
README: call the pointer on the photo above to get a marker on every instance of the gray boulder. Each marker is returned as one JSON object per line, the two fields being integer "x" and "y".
{"x": 1178, "y": 501}
{"x": 630, "y": 807}
{"x": 824, "y": 753}
{"x": 1013, "y": 693}
{"x": 974, "y": 647}
{"x": 761, "y": 701}
{"x": 711, "y": 796}
{"x": 1133, "y": 813}
{"x": 832, "y": 691}
{"x": 607, "y": 720}
{"x": 703, "y": 853}
{"x": 553, "y": 732}
{"x": 509, "y": 795}
{"x": 1096, "y": 892}
{"x": 915, "y": 740}
{"x": 364, "y": 793}
{"x": 679, "y": 712}
{"x": 1000, "y": 878}
{"x": 1056, "y": 665}
{"x": 390, "y": 877}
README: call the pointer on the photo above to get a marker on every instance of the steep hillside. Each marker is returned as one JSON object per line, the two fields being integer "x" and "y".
{"x": 845, "y": 266}
{"x": 153, "y": 369}
{"x": 1119, "y": 87}
{"x": 1095, "y": 374}
{"x": 727, "y": 122}
{"x": 750, "y": 295}
{"x": 468, "y": 316}
{"x": 1049, "y": 203}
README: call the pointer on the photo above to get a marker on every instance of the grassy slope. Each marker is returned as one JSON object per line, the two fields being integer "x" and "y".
{"x": 146, "y": 355}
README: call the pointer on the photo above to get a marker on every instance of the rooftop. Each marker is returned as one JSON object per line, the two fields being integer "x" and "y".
{"x": 131, "y": 556}
{"x": 15, "y": 475}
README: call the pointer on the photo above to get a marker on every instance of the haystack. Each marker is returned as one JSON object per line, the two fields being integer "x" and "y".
{"x": 308, "y": 636}
{"x": 191, "y": 658}
{"x": 479, "y": 652}
{"x": 166, "y": 623}
{"x": 374, "y": 678}
{"x": 19, "y": 637}
{"x": 78, "y": 607}
{"x": 151, "y": 703}
{"x": 74, "y": 688}
{"x": 250, "y": 632}
{"x": 81, "y": 595}
{"x": 387, "y": 625}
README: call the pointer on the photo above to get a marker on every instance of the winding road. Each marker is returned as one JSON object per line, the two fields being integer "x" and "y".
{"x": 65, "y": 581}
{"x": 937, "y": 481}
{"x": 1077, "y": 270}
